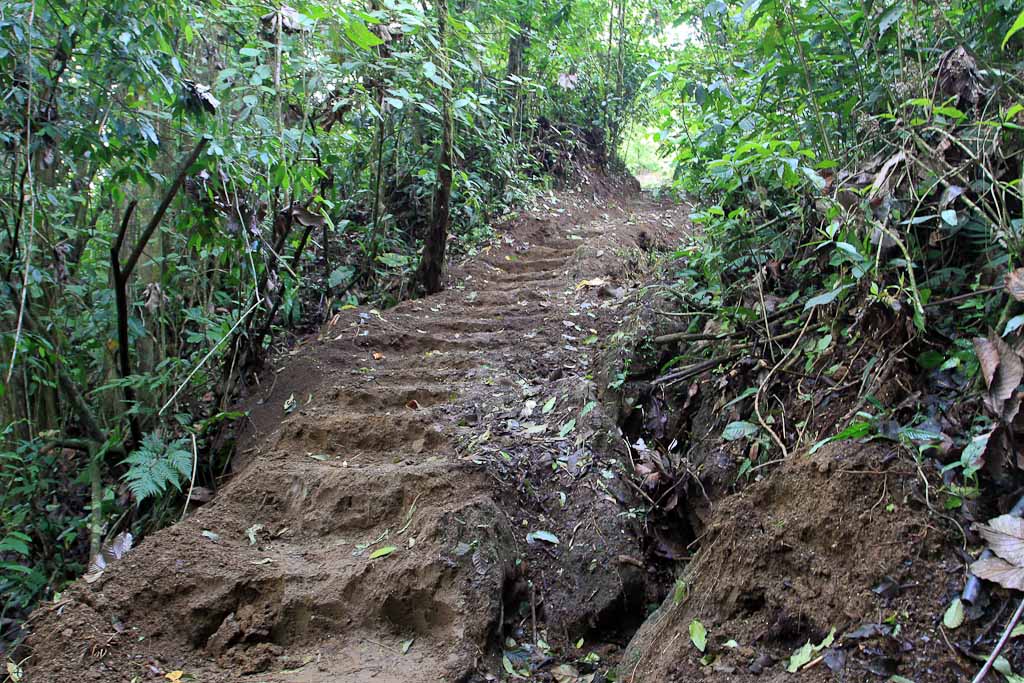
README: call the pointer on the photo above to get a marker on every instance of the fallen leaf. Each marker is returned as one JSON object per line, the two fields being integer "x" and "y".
{"x": 954, "y": 616}
{"x": 1015, "y": 284}
{"x": 175, "y": 675}
{"x": 1005, "y": 536}
{"x": 377, "y": 355}
{"x": 988, "y": 358}
{"x": 413, "y": 405}
{"x": 999, "y": 571}
{"x": 698, "y": 635}
{"x": 594, "y": 282}
{"x": 252, "y": 531}
{"x": 382, "y": 552}
{"x": 565, "y": 673}
{"x": 738, "y": 430}
{"x": 542, "y": 535}
{"x": 406, "y": 644}
{"x": 800, "y": 657}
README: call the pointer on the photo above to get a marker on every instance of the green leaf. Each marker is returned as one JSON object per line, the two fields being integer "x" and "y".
{"x": 826, "y": 298}
{"x": 542, "y": 535}
{"x": 680, "y": 592}
{"x": 954, "y": 615}
{"x": 382, "y": 552}
{"x": 950, "y": 217}
{"x": 1002, "y": 665}
{"x": 698, "y": 635}
{"x": 1013, "y": 324}
{"x": 361, "y": 36}
{"x": 14, "y": 544}
{"x": 929, "y": 360}
{"x": 339, "y": 275}
{"x": 567, "y": 427}
{"x": 950, "y": 112}
{"x": 1018, "y": 24}
{"x": 393, "y": 260}
{"x": 889, "y": 17}
{"x": 814, "y": 177}
{"x": 549, "y": 405}
{"x": 800, "y": 657}
{"x": 735, "y": 431}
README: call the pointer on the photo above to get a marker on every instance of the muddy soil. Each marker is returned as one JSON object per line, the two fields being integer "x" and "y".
{"x": 422, "y": 491}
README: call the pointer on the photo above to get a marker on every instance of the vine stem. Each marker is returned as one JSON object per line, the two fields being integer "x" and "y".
{"x": 32, "y": 197}
{"x": 999, "y": 646}
{"x": 192, "y": 482}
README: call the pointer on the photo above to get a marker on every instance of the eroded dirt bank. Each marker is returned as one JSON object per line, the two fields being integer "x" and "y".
{"x": 423, "y": 490}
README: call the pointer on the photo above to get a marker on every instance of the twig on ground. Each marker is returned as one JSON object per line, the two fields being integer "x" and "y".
{"x": 999, "y": 646}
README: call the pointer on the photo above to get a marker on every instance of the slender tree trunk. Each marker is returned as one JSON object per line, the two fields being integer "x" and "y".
{"x": 431, "y": 269}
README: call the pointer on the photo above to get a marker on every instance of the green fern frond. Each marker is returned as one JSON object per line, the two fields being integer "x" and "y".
{"x": 156, "y": 466}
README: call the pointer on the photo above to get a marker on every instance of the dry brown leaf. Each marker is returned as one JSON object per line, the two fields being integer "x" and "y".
{"x": 1005, "y": 536}
{"x": 988, "y": 357}
{"x": 999, "y": 571}
{"x": 1008, "y": 374}
{"x": 1015, "y": 284}
{"x": 881, "y": 184}
{"x": 307, "y": 218}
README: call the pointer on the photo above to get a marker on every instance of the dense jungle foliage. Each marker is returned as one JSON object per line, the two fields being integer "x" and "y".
{"x": 859, "y": 166}
{"x": 186, "y": 184}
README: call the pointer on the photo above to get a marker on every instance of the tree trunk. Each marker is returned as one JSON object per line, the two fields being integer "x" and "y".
{"x": 431, "y": 269}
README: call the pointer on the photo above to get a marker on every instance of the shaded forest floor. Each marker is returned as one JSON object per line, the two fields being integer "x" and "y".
{"x": 447, "y": 491}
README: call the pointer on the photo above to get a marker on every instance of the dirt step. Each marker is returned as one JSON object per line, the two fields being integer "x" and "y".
{"x": 523, "y": 266}
{"x": 376, "y": 399}
{"x": 451, "y": 482}
{"x": 380, "y": 435}
{"x": 535, "y": 277}
{"x": 469, "y": 325}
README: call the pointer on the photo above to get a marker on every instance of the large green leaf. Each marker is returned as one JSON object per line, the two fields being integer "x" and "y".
{"x": 361, "y": 36}
{"x": 1017, "y": 25}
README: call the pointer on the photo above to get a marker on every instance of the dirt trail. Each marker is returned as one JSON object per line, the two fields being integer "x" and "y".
{"x": 381, "y": 526}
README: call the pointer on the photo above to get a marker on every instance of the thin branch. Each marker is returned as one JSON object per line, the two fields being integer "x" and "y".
{"x": 999, "y": 646}
{"x": 129, "y": 265}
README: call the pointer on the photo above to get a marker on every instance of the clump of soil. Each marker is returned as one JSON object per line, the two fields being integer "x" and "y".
{"x": 842, "y": 542}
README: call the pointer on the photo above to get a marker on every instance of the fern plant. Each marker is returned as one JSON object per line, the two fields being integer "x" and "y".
{"x": 157, "y": 465}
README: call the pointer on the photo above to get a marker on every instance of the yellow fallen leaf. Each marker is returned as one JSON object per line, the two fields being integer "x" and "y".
{"x": 175, "y": 675}
{"x": 596, "y": 282}
{"x": 377, "y": 355}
